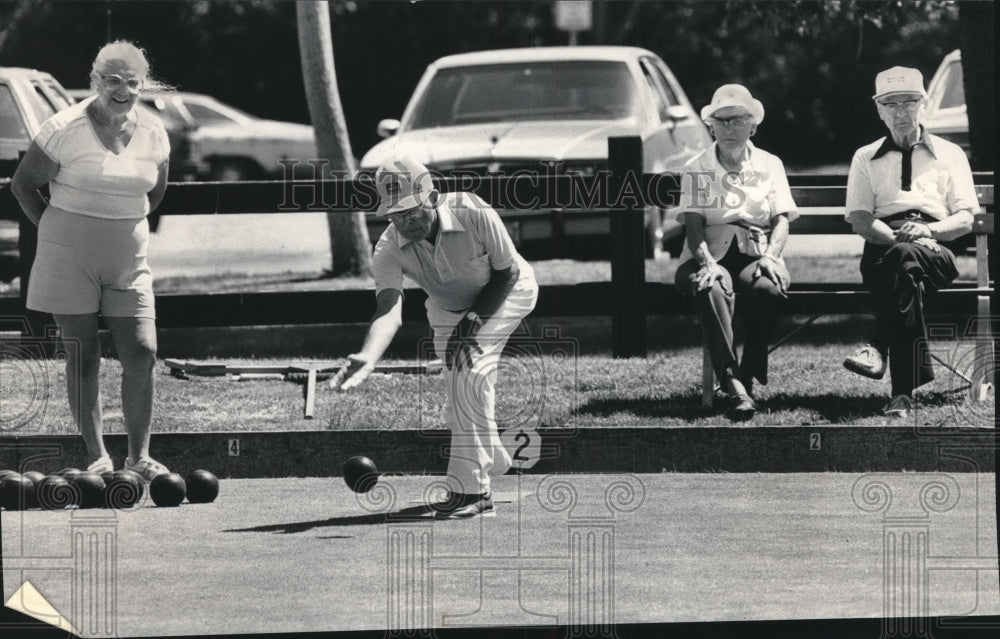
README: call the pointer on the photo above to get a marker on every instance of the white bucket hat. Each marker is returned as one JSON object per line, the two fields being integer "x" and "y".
{"x": 899, "y": 80}
{"x": 729, "y": 95}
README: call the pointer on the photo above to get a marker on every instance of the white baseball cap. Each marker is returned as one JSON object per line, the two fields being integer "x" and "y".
{"x": 403, "y": 184}
{"x": 729, "y": 95}
{"x": 899, "y": 80}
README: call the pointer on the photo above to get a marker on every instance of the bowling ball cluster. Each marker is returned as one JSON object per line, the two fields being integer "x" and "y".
{"x": 119, "y": 489}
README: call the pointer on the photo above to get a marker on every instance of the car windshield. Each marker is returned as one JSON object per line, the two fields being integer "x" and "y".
{"x": 954, "y": 89}
{"x": 56, "y": 95}
{"x": 11, "y": 125}
{"x": 568, "y": 90}
{"x": 48, "y": 100}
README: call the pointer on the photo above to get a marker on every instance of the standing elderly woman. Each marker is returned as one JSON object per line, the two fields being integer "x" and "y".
{"x": 106, "y": 166}
{"x": 735, "y": 206}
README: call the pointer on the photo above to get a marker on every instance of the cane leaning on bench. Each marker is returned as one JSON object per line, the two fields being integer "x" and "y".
{"x": 735, "y": 205}
{"x": 906, "y": 193}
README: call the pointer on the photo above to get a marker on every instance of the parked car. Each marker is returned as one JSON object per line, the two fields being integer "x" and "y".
{"x": 27, "y": 98}
{"x": 229, "y": 144}
{"x": 946, "y": 110}
{"x": 511, "y": 110}
{"x": 182, "y": 168}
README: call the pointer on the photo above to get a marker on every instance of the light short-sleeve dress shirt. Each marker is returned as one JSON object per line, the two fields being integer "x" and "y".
{"x": 940, "y": 180}
{"x": 472, "y": 242}
{"x": 731, "y": 201}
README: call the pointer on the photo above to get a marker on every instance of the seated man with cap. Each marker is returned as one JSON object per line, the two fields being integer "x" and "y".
{"x": 906, "y": 193}
{"x": 479, "y": 289}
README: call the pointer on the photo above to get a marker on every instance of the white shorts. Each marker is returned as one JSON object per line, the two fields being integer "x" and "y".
{"x": 91, "y": 265}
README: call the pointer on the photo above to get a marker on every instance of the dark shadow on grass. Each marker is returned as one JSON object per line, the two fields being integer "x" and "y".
{"x": 413, "y": 513}
{"x": 835, "y": 409}
{"x": 845, "y": 410}
{"x": 681, "y": 406}
{"x": 315, "y": 341}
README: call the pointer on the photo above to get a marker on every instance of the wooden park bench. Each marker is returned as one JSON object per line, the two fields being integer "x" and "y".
{"x": 838, "y": 296}
{"x": 627, "y": 298}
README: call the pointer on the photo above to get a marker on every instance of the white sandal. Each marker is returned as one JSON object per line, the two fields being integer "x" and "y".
{"x": 101, "y": 465}
{"x": 147, "y": 468}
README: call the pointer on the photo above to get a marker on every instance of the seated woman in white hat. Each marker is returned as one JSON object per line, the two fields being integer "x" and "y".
{"x": 735, "y": 206}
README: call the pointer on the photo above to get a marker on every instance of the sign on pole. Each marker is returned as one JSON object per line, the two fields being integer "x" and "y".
{"x": 573, "y": 16}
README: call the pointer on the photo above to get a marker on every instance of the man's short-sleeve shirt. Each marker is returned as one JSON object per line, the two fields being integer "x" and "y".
{"x": 940, "y": 181}
{"x": 729, "y": 201}
{"x": 94, "y": 181}
{"x": 472, "y": 242}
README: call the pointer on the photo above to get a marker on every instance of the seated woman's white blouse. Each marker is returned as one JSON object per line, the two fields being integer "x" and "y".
{"x": 91, "y": 179}
{"x": 752, "y": 197}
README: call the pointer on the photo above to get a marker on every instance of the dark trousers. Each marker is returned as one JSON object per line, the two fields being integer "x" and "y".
{"x": 899, "y": 276}
{"x": 715, "y": 311}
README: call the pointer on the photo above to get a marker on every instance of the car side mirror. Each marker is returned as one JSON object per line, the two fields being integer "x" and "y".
{"x": 678, "y": 112}
{"x": 387, "y": 127}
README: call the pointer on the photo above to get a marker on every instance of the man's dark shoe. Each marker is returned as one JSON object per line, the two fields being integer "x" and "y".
{"x": 744, "y": 408}
{"x": 899, "y": 407}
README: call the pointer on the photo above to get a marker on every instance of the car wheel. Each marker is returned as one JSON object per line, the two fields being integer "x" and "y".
{"x": 230, "y": 172}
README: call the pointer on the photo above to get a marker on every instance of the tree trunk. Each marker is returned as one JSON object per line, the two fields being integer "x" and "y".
{"x": 976, "y": 22}
{"x": 349, "y": 243}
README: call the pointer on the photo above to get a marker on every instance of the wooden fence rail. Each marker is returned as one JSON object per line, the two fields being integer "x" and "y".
{"x": 548, "y": 205}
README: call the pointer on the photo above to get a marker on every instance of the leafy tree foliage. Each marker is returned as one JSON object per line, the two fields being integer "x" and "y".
{"x": 812, "y": 63}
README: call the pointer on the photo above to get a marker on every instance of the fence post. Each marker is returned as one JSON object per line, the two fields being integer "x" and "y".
{"x": 628, "y": 259}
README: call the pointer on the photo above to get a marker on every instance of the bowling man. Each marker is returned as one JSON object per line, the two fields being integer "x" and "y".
{"x": 479, "y": 289}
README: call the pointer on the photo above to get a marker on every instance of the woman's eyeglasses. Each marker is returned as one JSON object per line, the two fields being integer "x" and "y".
{"x": 114, "y": 81}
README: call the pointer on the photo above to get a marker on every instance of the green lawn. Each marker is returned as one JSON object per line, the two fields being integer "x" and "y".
{"x": 588, "y": 389}
{"x": 808, "y": 386}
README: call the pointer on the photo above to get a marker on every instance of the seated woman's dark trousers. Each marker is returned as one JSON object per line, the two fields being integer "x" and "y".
{"x": 715, "y": 311}
{"x": 899, "y": 276}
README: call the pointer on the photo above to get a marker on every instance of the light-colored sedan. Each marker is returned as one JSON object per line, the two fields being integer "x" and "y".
{"x": 28, "y": 97}
{"x": 229, "y": 144}
{"x": 515, "y": 110}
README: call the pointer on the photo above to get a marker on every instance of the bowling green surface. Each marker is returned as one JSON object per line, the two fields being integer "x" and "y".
{"x": 294, "y": 555}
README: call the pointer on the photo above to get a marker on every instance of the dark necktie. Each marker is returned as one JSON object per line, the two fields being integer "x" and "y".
{"x": 906, "y": 174}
